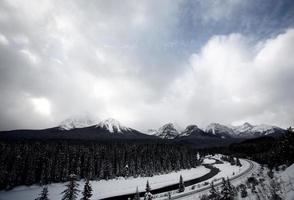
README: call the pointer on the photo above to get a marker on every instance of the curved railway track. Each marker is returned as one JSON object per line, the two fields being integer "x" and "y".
{"x": 251, "y": 167}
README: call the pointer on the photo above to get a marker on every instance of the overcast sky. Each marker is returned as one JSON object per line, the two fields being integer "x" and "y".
{"x": 146, "y": 63}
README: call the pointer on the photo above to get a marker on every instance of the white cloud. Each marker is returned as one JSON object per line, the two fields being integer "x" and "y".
{"x": 230, "y": 81}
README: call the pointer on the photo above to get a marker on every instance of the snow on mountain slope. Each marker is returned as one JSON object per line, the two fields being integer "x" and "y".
{"x": 152, "y": 132}
{"x": 242, "y": 128}
{"x": 112, "y": 126}
{"x": 220, "y": 130}
{"x": 193, "y": 130}
{"x": 248, "y": 130}
{"x": 76, "y": 122}
{"x": 190, "y": 130}
{"x": 168, "y": 131}
{"x": 266, "y": 129}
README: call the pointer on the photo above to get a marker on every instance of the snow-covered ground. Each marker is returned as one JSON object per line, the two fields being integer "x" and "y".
{"x": 288, "y": 178}
{"x": 103, "y": 188}
{"x": 208, "y": 161}
{"x": 226, "y": 170}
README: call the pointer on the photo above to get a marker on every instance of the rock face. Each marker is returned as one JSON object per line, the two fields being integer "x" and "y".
{"x": 167, "y": 131}
{"x": 194, "y": 131}
{"x": 220, "y": 130}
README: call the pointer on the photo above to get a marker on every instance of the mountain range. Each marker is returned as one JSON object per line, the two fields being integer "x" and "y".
{"x": 109, "y": 129}
{"x": 170, "y": 131}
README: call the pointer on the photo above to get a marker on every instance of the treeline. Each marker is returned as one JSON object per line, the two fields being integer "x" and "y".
{"x": 44, "y": 162}
{"x": 265, "y": 150}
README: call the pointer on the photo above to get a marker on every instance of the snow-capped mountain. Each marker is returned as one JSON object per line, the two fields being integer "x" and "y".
{"x": 246, "y": 127}
{"x": 113, "y": 126}
{"x": 249, "y": 131}
{"x": 168, "y": 131}
{"x": 194, "y": 130}
{"x": 77, "y": 129}
{"x": 76, "y": 122}
{"x": 220, "y": 130}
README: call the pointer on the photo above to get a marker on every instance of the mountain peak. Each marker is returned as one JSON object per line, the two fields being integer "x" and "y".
{"x": 220, "y": 130}
{"x": 192, "y": 130}
{"x": 247, "y": 124}
{"x": 168, "y": 131}
{"x": 76, "y": 122}
{"x": 112, "y": 125}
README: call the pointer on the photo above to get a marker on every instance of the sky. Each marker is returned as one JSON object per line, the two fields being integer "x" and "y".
{"x": 146, "y": 63}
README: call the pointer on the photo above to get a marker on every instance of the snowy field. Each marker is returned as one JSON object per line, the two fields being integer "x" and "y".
{"x": 103, "y": 188}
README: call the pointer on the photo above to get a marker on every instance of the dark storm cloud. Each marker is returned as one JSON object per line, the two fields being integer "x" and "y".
{"x": 131, "y": 60}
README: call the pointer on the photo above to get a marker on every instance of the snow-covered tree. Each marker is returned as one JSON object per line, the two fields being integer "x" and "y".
{"x": 227, "y": 192}
{"x": 214, "y": 194}
{"x": 253, "y": 188}
{"x": 87, "y": 192}
{"x": 71, "y": 191}
{"x": 43, "y": 195}
{"x": 243, "y": 191}
{"x": 181, "y": 184}
{"x": 148, "y": 196}
{"x": 276, "y": 189}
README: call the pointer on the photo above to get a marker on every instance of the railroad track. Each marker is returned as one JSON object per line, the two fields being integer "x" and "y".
{"x": 251, "y": 167}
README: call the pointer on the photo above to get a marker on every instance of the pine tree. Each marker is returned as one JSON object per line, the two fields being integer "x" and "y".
{"x": 169, "y": 195}
{"x": 137, "y": 195}
{"x": 148, "y": 188}
{"x": 226, "y": 193}
{"x": 231, "y": 188}
{"x": 71, "y": 191}
{"x": 87, "y": 193}
{"x": 44, "y": 194}
{"x": 181, "y": 184}
{"x": 243, "y": 191}
{"x": 214, "y": 194}
{"x": 148, "y": 195}
{"x": 238, "y": 162}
